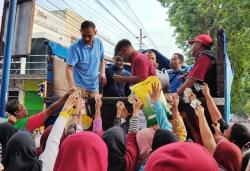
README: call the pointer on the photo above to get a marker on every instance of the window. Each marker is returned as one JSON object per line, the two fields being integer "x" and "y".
{"x": 13, "y": 95}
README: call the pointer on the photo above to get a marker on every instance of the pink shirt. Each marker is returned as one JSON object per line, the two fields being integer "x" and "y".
{"x": 142, "y": 66}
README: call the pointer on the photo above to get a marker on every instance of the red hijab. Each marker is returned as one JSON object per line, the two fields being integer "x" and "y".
{"x": 82, "y": 151}
{"x": 228, "y": 155}
{"x": 182, "y": 156}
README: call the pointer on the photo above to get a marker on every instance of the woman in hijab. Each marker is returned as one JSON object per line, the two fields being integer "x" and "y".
{"x": 150, "y": 142}
{"x": 20, "y": 154}
{"x": 182, "y": 156}
{"x": 144, "y": 140}
{"x": 6, "y": 131}
{"x": 82, "y": 151}
{"x": 228, "y": 155}
{"x": 115, "y": 140}
{"x": 124, "y": 156}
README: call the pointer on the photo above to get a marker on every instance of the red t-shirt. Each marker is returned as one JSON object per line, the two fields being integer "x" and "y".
{"x": 142, "y": 66}
{"x": 200, "y": 68}
{"x": 36, "y": 121}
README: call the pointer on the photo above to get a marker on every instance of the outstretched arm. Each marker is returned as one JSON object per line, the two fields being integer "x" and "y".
{"x": 161, "y": 115}
{"x": 97, "y": 123}
{"x": 206, "y": 133}
{"x": 59, "y": 103}
{"x": 188, "y": 83}
{"x": 212, "y": 108}
{"x": 48, "y": 157}
{"x": 131, "y": 145}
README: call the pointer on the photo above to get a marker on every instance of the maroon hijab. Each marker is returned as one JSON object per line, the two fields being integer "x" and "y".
{"x": 228, "y": 155}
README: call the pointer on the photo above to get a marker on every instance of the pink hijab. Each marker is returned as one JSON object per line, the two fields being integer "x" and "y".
{"x": 144, "y": 140}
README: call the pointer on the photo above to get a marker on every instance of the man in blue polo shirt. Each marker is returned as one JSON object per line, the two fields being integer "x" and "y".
{"x": 85, "y": 63}
{"x": 175, "y": 72}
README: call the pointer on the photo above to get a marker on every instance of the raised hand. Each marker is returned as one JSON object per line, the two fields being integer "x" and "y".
{"x": 192, "y": 97}
{"x": 175, "y": 100}
{"x": 169, "y": 98}
{"x": 98, "y": 102}
{"x": 137, "y": 104}
{"x": 216, "y": 127}
{"x": 199, "y": 110}
{"x": 77, "y": 106}
{"x": 155, "y": 93}
{"x": 11, "y": 119}
{"x": 72, "y": 99}
{"x": 120, "y": 106}
{"x": 103, "y": 79}
{"x": 71, "y": 90}
{"x": 205, "y": 90}
{"x": 82, "y": 107}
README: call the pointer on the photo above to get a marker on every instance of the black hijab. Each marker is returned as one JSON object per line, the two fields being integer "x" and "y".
{"x": 115, "y": 140}
{"x": 6, "y": 131}
{"x": 163, "y": 137}
{"x": 20, "y": 153}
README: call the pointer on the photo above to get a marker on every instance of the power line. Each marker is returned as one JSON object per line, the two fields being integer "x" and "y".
{"x": 104, "y": 19}
{"x": 132, "y": 11}
{"x": 125, "y": 14}
{"x": 100, "y": 35}
{"x": 99, "y": 3}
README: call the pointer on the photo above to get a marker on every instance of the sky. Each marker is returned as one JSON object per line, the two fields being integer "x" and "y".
{"x": 151, "y": 17}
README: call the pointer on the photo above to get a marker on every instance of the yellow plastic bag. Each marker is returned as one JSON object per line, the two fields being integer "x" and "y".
{"x": 141, "y": 90}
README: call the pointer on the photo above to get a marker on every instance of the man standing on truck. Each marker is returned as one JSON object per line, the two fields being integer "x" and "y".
{"x": 141, "y": 66}
{"x": 115, "y": 89}
{"x": 85, "y": 63}
{"x": 201, "y": 51}
{"x": 175, "y": 72}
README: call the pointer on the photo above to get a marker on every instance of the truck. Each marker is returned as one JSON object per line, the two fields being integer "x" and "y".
{"x": 56, "y": 83}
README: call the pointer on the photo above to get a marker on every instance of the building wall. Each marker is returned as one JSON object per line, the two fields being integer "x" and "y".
{"x": 59, "y": 26}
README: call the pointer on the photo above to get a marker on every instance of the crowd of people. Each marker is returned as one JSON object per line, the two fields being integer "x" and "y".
{"x": 192, "y": 137}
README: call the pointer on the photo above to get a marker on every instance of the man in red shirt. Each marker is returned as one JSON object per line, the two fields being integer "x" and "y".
{"x": 141, "y": 65}
{"x": 201, "y": 51}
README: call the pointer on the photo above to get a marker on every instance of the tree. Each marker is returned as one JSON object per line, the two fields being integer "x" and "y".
{"x": 192, "y": 17}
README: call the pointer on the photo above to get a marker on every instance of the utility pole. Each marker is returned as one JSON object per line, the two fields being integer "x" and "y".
{"x": 140, "y": 39}
{"x": 7, "y": 54}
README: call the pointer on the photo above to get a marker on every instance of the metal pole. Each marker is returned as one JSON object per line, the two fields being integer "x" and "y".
{"x": 7, "y": 55}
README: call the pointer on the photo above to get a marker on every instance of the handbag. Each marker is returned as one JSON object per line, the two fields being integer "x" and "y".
{"x": 163, "y": 76}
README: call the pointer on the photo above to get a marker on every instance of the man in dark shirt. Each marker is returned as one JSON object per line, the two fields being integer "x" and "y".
{"x": 112, "y": 88}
